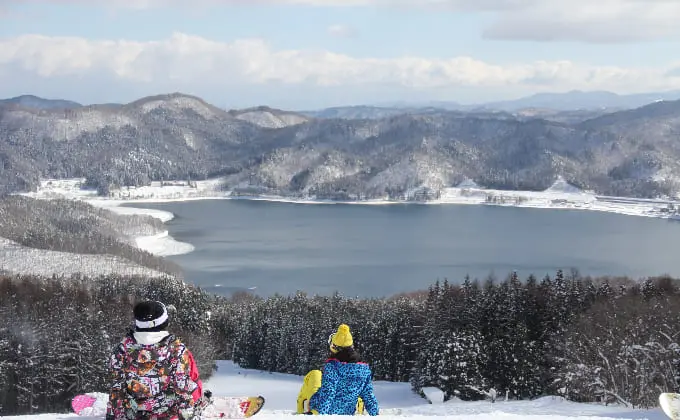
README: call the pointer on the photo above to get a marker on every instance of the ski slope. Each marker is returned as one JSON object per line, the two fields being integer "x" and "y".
{"x": 396, "y": 400}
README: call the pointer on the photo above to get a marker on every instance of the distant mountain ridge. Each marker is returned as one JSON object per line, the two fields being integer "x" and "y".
{"x": 587, "y": 103}
{"x": 580, "y": 100}
{"x": 549, "y": 102}
{"x": 267, "y": 151}
{"x": 32, "y": 101}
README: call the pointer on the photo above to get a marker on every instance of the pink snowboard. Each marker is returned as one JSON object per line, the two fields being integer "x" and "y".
{"x": 94, "y": 405}
{"x": 80, "y": 402}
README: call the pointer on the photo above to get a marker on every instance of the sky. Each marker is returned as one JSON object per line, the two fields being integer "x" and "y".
{"x": 308, "y": 54}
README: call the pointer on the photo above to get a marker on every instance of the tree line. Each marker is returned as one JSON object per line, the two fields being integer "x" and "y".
{"x": 587, "y": 339}
{"x": 57, "y": 334}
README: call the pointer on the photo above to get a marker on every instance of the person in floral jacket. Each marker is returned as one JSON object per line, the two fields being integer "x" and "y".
{"x": 154, "y": 374}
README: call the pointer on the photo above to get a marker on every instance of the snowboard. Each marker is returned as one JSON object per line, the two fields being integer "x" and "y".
{"x": 209, "y": 407}
{"x": 670, "y": 404}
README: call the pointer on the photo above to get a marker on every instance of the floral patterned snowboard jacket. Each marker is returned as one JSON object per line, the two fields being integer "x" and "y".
{"x": 152, "y": 381}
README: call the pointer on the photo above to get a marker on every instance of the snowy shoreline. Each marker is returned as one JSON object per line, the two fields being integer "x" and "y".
{"x": 160, "y": 244}
{"x": 560, "y": 196}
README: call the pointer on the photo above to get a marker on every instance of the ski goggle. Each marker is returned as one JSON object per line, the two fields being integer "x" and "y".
{"x": 332, "y": 346}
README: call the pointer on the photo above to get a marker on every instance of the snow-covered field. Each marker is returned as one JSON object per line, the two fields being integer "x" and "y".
{"x": 396, "y": 400}
{"x": 16, "y": 258}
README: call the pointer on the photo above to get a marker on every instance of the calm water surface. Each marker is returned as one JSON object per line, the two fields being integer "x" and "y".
{"x": 382, "y": 250}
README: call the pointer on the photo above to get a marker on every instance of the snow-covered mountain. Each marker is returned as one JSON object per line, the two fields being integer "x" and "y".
{"x": 262, "y": 150}
{"x": 266, "y": 117}
{"x": 369, "y": 112}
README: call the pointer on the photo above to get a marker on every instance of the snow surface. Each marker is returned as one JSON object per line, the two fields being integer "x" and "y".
{"x": 269, "y": 119}
{"x": 162, "y": 215}
{"x": 562, "y": 186}
{"x": 396, "y": 400}
{"x": 162, "y": 244}
{"x": 16, "y": 258}
{"x": 180, "y": 103}
{"x": 467, "y": 183}
{"x": 433, "y": 395}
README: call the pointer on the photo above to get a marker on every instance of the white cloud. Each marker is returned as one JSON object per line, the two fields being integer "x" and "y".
{"x": 184, "y": 62}
{"x": 341, "y": 31}
{"x": 601, "y": 21}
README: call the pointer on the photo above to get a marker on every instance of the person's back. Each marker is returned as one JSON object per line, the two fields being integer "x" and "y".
{"x": 346, "y": 383}
{"x": 345, "y": 379}
{"x": 154, "y": 374}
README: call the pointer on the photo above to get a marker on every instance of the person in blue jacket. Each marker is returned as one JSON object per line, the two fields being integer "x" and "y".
{"x": 345, "y": 378}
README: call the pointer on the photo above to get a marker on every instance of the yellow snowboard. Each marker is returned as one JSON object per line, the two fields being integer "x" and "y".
{"x": 232, "y": 407}
{"x": 670, "y": 404}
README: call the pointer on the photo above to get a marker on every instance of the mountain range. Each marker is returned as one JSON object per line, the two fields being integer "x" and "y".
{"x": 631, "y": 152}
{"x": 547, "y": 102}
{"x": 577, "y": 102}
{"x": 32, "y": 101}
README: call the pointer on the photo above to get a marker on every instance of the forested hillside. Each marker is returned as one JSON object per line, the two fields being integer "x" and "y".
{"x": 80, "y": 228}
{"x": 629, "y": 153}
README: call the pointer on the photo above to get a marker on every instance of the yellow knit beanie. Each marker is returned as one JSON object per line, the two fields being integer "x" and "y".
{"x": 342, "y": 338}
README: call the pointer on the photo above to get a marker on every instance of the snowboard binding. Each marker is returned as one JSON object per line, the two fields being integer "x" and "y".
{"x": 204, "y": 402}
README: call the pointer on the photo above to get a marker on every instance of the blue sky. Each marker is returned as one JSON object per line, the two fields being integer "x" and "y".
{"x": 314, "y": 53}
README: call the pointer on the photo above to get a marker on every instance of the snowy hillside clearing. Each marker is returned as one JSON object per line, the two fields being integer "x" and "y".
{"x": 16, "y": 258}
{"x": 270, "y": 119}
{"x": 178, "y": 103}
{"x": 161, "y": 244}
{"x": 397, "y": 401}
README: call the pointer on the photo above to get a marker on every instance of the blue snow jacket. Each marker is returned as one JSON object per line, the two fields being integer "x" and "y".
{"x": 341, "y": 384}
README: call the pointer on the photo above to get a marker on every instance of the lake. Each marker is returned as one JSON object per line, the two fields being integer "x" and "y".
{"x": 381, "y": 250}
